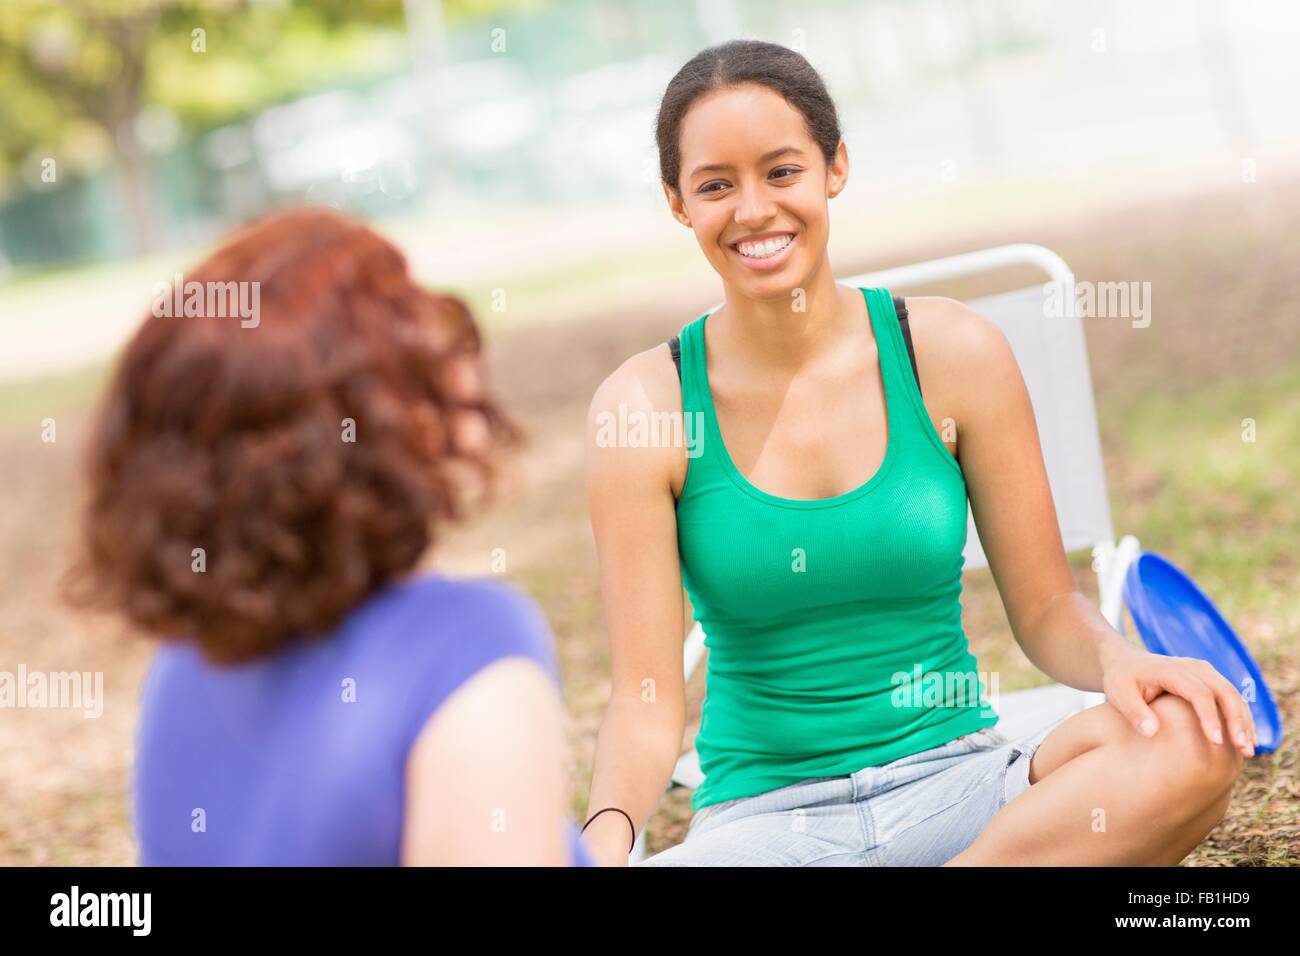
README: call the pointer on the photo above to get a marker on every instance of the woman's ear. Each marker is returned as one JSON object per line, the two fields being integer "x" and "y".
{"x": 837, "y": 174}
{"x": 675, "y": 205}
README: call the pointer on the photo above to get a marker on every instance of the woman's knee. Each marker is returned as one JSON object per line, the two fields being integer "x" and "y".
{"x": 1191, "y": 762}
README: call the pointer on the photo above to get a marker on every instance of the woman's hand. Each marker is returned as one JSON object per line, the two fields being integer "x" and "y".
{"x": 1132, "y": 677}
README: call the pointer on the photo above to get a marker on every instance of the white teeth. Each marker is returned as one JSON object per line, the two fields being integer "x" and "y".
{"x": 765, "y": 249}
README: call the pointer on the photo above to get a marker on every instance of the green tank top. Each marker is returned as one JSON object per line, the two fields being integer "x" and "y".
{"x": 833, "y": 624}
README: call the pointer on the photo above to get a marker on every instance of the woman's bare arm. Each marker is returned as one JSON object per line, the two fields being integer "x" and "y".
{"x": 633, "y": 516}
{"x": 485, "y": 781}
{"x": 1061, "y": 631}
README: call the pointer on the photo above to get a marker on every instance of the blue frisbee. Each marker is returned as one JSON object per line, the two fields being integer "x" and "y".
{"x": 1175, "y": 618}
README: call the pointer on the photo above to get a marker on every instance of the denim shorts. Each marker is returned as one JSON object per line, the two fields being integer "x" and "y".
{"x": 919, "y": 810}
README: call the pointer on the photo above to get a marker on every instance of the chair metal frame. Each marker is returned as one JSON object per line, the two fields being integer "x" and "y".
{"x": 1025, "y": 710}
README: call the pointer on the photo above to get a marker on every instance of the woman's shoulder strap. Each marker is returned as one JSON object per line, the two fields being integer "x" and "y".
{"x": 675, "y": 347}
{"x": 900, "y": 306}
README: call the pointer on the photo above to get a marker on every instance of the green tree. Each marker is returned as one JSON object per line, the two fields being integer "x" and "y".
{"x": 75, "y": 75}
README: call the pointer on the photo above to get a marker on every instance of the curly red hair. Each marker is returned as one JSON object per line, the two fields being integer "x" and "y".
{"x": 309, "y": 455}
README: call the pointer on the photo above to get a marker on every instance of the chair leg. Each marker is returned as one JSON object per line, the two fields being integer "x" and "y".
{"x": 1110, "y": 561}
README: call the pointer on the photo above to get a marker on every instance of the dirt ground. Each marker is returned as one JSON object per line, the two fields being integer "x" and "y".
{"x": 1224, "y": 278}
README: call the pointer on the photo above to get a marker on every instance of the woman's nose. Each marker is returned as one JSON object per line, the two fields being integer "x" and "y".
{"x": 754, "y": 208}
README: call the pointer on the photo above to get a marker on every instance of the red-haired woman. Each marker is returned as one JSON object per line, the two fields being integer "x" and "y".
{"x": 263, "y": 488}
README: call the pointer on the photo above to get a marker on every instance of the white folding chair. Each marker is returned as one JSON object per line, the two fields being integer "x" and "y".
{"x": 1053, "y": 358}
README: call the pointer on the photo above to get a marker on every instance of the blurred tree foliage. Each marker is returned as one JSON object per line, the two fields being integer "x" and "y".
{"x": 87, "y": 81}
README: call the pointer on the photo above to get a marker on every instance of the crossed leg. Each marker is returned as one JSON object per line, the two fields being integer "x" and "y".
{"x": 1104, "y": 795}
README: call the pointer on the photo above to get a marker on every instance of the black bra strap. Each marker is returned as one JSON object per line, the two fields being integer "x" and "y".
{"x": 675, "y": 346}
{"x": 901, "y": 308}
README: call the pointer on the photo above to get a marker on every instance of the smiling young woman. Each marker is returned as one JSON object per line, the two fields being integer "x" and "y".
{"x": 820, "y": 536}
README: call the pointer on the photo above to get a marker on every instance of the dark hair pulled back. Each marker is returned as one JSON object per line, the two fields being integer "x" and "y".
{"x": 734, "y": 63}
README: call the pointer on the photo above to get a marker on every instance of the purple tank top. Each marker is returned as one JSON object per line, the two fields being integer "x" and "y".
{"x": 299, "y": 759}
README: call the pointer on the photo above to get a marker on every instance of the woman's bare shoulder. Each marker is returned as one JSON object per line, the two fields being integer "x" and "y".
{"x": 952, "y": 340}
{"x": 645, "y": 381}
{"x": 964, "y": 359}
{"x": 942, "y": 321}
{"x": 630, "y": 425}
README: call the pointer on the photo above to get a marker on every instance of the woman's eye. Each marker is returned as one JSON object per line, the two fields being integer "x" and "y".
{"x": 787, "y": 170}
{"x": 707, "y": 187}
